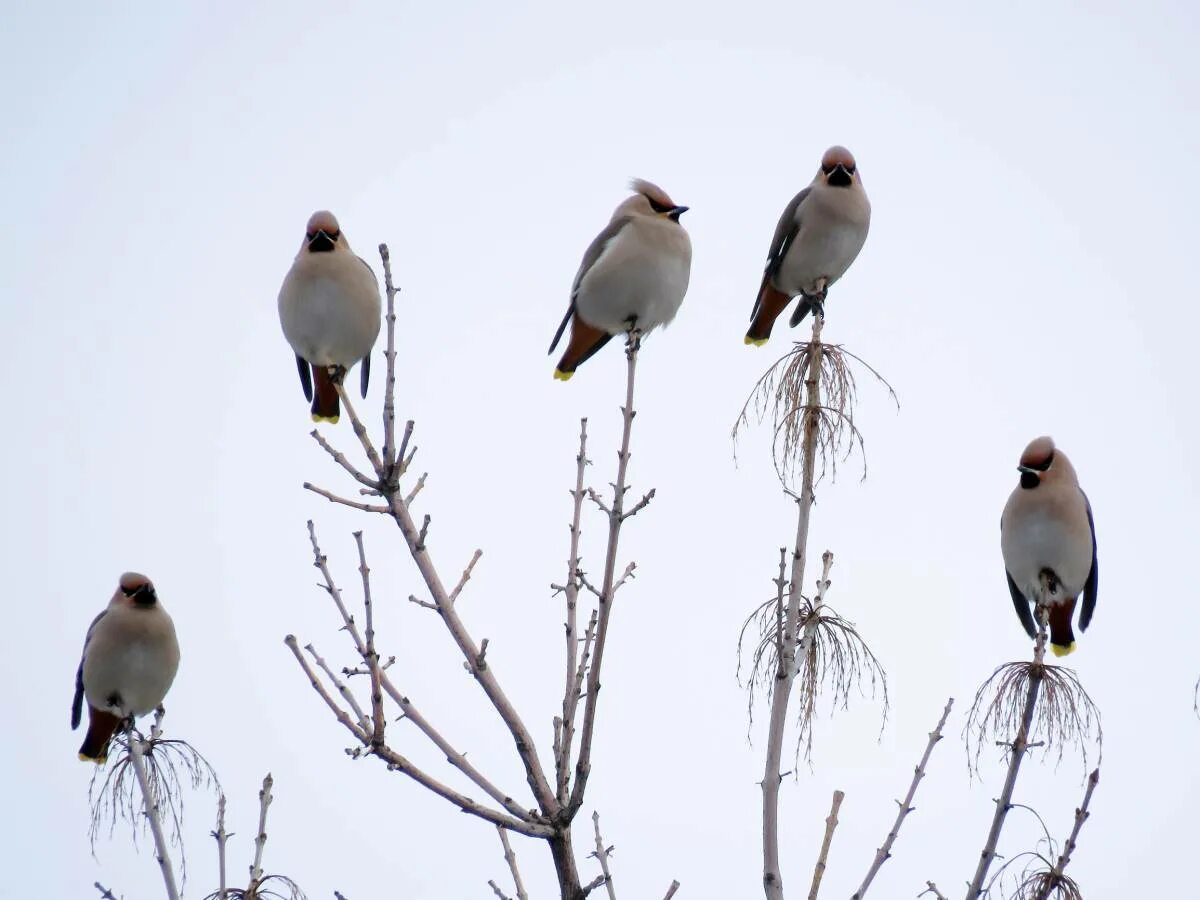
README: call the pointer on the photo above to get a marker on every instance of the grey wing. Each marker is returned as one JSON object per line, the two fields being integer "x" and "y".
{"x": 1022, "y": 606}
{"x": 77, "y": 703}
{"x": 1092, "y": 585}
{"x": 785, "y": 232}
{"x": 364, "y": 375}
{"x": 590, "y": 257}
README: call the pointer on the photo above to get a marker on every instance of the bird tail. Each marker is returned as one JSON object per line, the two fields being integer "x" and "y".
{"x": 771, "y": 303}
{"x": 1062, "y": 637}
{"x": 803, "y": 308}
{"x": 326, "y": 407}
{"x": 101, "y": 725}
{"x": 585, "y": 341}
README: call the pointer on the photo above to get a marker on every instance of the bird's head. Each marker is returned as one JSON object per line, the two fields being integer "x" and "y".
{"x": 322, "y": 234}
{"x": 137, "y": 589}
{"x": 651, "y": 200}
{"x": 1042, "y": 462}
{"x": 838, "y": 167}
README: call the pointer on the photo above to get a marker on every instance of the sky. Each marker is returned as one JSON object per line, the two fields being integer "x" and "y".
{"x": 1029, "y": 271}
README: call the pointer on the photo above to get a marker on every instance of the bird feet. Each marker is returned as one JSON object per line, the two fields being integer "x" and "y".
{"x": 337, "y": 374}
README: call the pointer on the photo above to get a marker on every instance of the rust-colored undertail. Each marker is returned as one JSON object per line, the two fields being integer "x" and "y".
{"x": 101, "y": 725}
{"x": 585, "y": 341}
{"x": 771, "y": 302}
{"x": 1062, "y": 636}
{"x": 325, "y": 405}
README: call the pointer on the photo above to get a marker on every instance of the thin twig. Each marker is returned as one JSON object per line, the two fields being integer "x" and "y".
{"x": 389, "y": 355}
{"x": 671, "y": 890}
{"x": 402, "y": 764}
{"x": 353, "y": 504}
{"x": 511, "y": 859}
{"x": 137, "y": 757}
{"x": 222, "y": 838}
{"x": 831, "y": 822}
{"x": 583, "y": 765}
{"x": 370, "y": 655}
{"x": 1081, "y": 815}
{"x": 260, "y": 840}
{"x": 574, "y": 676}
{"x": 786, "y": 663}
{"x": 601, "y": 855}
{"x": 932, "y": 888}
{"x": 884, "y": 853}
{"x": 1017, "y": 752}
{"x": 105, "y": 893}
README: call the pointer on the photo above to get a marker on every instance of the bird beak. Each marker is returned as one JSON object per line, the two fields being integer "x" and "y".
{"x": 321, "y": 243}
{"x": 1027, "y": 470}
{"x": 840, "y": 176}
{"x": 675, "y": 213}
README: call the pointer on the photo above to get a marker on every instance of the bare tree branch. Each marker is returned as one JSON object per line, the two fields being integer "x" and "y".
{"x": 831, "y": 822}
{"x": 671, "y": 890}
{"x": 222, "y": 838}
{"x": 1055, "y": 876}
{"x": 601, "y": 853}
{"x": 932, "y": 889}
{"x": 137, "y": 752}
{"x": 574, "y": 671}
{"x": 105, "y": 893}
{"x": 583, "y": 765}
{"x": 402, "y": 764}
{"x": 511, "y": 859}
{"x": 260, "y": 840}
{"x": 1016, "y": 755}
{"x": 884, "y": 853}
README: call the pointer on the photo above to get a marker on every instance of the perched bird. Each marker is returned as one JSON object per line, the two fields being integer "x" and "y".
{"x": 1047, "y": 536}
{"x": 817, "y": 238}
{"x": 329, "y": 307}
{"x": 633, "y": 275}
{"x": 129, "y": 660}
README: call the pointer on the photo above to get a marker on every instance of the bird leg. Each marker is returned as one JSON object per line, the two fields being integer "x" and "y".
{"x": 337, "y": 373}
{"x": 817, "y": 299}
{"x": 633, "y": 336}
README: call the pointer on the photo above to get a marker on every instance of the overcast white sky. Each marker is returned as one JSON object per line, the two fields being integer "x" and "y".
{"x": 1030, "y": 269}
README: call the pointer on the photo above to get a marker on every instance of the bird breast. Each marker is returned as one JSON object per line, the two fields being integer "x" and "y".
{"x": 833, "y": 229}
{"x": 134, "y": 655}
{"x": 643, "y": 273}
{"x": 1037, "y": 539}
{"x": 330, "y": 313}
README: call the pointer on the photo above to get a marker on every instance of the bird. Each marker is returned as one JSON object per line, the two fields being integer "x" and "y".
{"x": 130, "y": 657}
{"x": 633, "y": 276}
{"x": 1048, "y": 540}
{"x": 329, "y": 307}
{"x": 818, "y": 236}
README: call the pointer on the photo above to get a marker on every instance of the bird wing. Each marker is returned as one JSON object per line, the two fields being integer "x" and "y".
{"x": 365, "y": 373}
{"x": 305, "y": 377}
{"x": 77, "y": 703}
{"x": 785, "y": 233}
{"x": 1093, "y": 580}
{"x": 1022, "y": 607}
{"x": 591, "y": 256}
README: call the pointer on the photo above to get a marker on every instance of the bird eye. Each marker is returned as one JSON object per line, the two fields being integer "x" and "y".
{"x": 659, "y": 207}
{"x": 1044, "y": 465}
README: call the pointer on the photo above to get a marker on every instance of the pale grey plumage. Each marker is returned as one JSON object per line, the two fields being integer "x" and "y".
{"x": 637, "y": 268}
{"x": 130, "y": 655}
{"x": 329, "y": 304}
{"x": 1047, "y": 527}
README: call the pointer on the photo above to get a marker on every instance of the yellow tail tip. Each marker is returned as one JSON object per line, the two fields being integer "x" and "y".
{"x": 1059, "y": 650}
{"x": 560, "y": 375}
{"x": 332, "y": 420}
{"x": 98, "y": 760}
{"x": 755, "y": 342}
